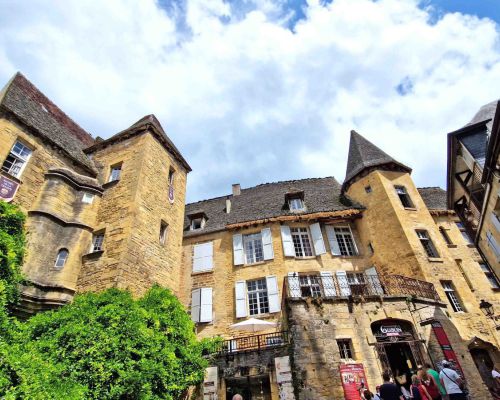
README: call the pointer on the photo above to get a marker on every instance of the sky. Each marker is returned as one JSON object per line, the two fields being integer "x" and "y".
{"x": 259, "y": 91}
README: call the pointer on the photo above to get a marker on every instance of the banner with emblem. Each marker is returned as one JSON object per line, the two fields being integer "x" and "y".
{"x": 8, "y": 188}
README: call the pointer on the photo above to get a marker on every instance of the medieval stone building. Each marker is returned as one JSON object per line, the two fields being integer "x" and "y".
{"x": 352, "y": 279}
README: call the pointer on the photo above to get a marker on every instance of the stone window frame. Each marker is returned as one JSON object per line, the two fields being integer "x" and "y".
{"x": 301, "y": 239}
{"x": 446, "y": 237}
{"x": 461, "y": 227}
{"x": 163, "y": 233}
{"x": 62, "y": 254}
{"x": 404, "y": 197}
{"x": 97, "y": 242}
{"x": 257, "y": 297}
{"x": 113, "y": 175}
{"x": 17, "y": 157}
{"x": 427, "y": 243}
{"x": 453, "y": 297}
{"x": 253, "y": 253}
{"x": 490, "y": 275}
{"x": 346, "y": 349}
{"x": 88, "y": 198}
{"x": 171, "y": 181}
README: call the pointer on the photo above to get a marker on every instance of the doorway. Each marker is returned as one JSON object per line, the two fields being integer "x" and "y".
{"x": 249, "y": 387}
{"x": 484, "y": 365}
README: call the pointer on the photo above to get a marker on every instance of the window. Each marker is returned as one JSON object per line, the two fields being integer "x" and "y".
{"x": 171, "y": 173}
{"x": 61, "y": 258}
{"x": 403, "y": 196}
{"x": 301, "y": 242}
{"x": 370, "y": 247}
{"x": 87, "y": 198}
{"x": 296, "y": 204}
{"x": 345, "y": 349}
{"x": 253, "y": 248}
{"x": 368, "y": 189}
{"x": 355, "y": 278}
{"x": 465, "y": 235}
{"x": 17, "y": 159}
{"x": 201, "y": 305}
{"x": 310, "y": 286}
{"x": 197, "y": 223}
{"x": 97, "y": 242}
{"x": 345, "y": 241}
{"x": 489, "y": 275}
{"x": 445, "y": 235}
{"x": 116, "y": 171}
{"x": 452, "y": 296}
{"x": 427, "y": 244}
{"x": 163, "y": 232}
{"x": 203, "y": 257}
{"x": 258, "y": 301}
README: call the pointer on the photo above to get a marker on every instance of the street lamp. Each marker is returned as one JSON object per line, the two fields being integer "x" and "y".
{"x": 487, "y": 309}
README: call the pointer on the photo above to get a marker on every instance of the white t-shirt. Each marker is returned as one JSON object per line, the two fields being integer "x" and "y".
{"x": 449, "y": 380}
{"x": 495, "y": 374}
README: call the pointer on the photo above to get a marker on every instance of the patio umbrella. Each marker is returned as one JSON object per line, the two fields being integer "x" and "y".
{"x": 253, "y": 325}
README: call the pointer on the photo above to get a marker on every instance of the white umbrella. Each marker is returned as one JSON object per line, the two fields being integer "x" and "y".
{"x": 253, "y": 325}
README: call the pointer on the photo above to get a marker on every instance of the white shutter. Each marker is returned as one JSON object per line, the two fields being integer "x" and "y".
{"x": 496, "y": 221}
{"x": 203, "y": 257}
{"x": 373, "y": 281}
{"x": 293, "y": 284}
{"x": 272, "y": 293}
{"x": 267, "y": 243}
{"x": 286, "y": 238}
{"x": 239, "y": 256}
{"x": 317, "y": 237}
{"x": 328, "y": 284}
{"x": 332, "y": 240}
{"x": 206, "y": 305}
{"x": 209, "y": 255}
{"x": 195, "y": 305}
{"x": 493, "y": 244}
{"x": 240, "y": 290}
{"x": 345, "y": 289}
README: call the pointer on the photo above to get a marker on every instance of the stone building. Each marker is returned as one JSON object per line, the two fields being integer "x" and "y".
{"x": 352, "y": 279}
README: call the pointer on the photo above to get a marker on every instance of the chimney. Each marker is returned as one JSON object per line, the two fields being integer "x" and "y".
{"x": 236, "y": 189}
{"x": 228, "y": 205}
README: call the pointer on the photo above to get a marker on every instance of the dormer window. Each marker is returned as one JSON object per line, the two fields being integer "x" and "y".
{"x": 295, "y": 201}
{"x": 197, "y": 221}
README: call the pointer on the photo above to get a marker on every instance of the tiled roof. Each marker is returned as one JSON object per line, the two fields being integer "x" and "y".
{"x": 267, "y": 201}
{"x": 32, "y": 108}
{"x": 434, "y": 197}
{"x": 148, "y": 121}
{"x": 363, "y": 154}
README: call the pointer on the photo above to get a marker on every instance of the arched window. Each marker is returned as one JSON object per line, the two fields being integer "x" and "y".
{"x": 62, "y": 256}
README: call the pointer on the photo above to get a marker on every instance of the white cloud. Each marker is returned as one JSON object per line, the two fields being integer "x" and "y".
{"x": 246, "y": 98}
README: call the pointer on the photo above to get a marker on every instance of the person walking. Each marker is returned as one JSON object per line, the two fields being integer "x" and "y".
{"x": 389, "y": 390}
{"x": 237, "y": 397}
{"x": 376, "y": 396}
{"x": 430, "y": 386}
{"x": 434, "y": 376}
{"x": 451, "y": 382}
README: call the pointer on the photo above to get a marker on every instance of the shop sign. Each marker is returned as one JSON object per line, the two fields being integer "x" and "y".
{"x": 284, "y": 378}
{"x": 210, "y": 384}
{"x": 391, "y": 330}
{"x": 352, "y": 376}
{"x": 8, "y": 188}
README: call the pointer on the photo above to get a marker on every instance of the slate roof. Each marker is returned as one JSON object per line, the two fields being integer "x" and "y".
{"x": 268, "y": 200}
{"x": 146, "y": 122}
{"x": 363, "y": 154}
{"x": 434, "y": 198}
{"x": 486, "y": 112}
{"x": 32, "y": 108}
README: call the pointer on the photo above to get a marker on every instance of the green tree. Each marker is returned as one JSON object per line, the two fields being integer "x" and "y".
{"x": 106, "y": 346}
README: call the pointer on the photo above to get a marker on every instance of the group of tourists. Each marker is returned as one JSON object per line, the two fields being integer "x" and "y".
{"x": 426, "y": 384}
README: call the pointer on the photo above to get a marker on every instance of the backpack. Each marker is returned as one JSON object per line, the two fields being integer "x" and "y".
{"x": 415, "y": 393}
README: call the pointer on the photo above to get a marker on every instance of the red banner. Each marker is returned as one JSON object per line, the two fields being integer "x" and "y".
{"x": 352, "y": 376}
{"x": 445, "y": 344}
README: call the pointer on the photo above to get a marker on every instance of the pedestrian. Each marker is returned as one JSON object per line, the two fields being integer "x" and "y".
{"x": 430, "y": 386}
{"x": 434, "y": 376}
{"x": 361, "y": 391}
{"x": 389, "y": 390}
{"x": 368, "y": 395}
{"x": 451, "y": 382}
{"x": 376, "y": 396}
{"x": 237, "y": 397}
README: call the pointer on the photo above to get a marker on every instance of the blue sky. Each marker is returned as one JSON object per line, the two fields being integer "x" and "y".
{"x": 258, "y": 90}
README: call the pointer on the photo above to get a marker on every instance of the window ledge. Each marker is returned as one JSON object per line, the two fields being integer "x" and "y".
{"x": 435, "y": 259}
{"x": 14, "y": 178}
{"x": 110, "y": 184}
{"x": 208, "y": 271}
{"x": 348, "y": 257}
{"x": 94, "y": 254}
{"x": 305, "y": 258}
{"x": 471, "y": 245}
{"x": 410, "y": 209}
{"x": 452, "y": 246}
{"x": 252, "y": 264}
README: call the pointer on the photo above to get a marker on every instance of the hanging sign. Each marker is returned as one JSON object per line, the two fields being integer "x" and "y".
{"x": 352, "y": 376}
{"x": 445, "y": 344}
{"x": 8, "y": 188}
{"x": 391, "y": 330}
{"x": 284, "y": 378}
{"x": 171, "y": 193}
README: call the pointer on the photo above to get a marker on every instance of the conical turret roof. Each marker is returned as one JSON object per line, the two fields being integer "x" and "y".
{"x": 364, "y": 155}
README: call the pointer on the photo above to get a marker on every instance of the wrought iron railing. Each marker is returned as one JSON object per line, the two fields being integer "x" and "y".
{"x": 252, "y": 343}
{"x": 356, "y": 284}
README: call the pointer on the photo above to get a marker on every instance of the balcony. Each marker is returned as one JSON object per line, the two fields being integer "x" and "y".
{"x": 357, "y": 284}
{"x": 252, "y": 343}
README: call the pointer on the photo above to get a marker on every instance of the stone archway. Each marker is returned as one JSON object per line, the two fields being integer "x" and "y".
{"x": 484, "y": 354}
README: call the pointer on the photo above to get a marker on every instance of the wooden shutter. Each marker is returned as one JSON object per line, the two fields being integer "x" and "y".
{"x": 286, "y": 238}
{"x": 195, "y": 305}
{"x": 267, "y": 243}
{"x": 272, "y": 293}
{"x": 206, "y": 305}
{"x": 238, "y": 254}
{"x": 317, "y": 237}
{"x": 345, "y": 289}
{"x": 353, "y": 241}
{"x": 493, "y": 244}
{"x": 240, "y": 290}
{"x": 293, "y": 285}
{"x": 203, "y": 257}
{"x": 332, "y": 240}
{"x": 328, "y": 284}
{"x": 373, "y": 281}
